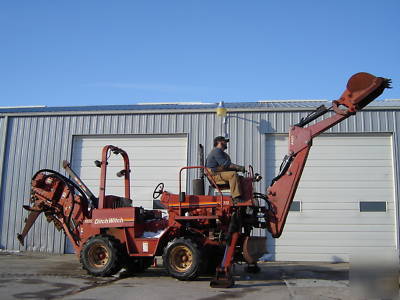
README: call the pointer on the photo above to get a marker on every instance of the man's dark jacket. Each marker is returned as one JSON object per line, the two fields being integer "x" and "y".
{"x": 218, "y": 158}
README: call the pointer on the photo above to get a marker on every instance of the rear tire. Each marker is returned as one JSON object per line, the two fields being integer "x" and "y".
{"x": 101, "y": 256}
{"x": 182, "y": 259}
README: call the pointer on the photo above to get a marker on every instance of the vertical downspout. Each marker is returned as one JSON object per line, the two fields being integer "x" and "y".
{"x": 396, "y": 169}
{"x": 3, "y": 144}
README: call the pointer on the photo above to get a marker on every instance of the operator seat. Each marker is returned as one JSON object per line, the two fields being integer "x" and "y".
{"x": 224, "y": 187}
{"x": 111, "y": 201}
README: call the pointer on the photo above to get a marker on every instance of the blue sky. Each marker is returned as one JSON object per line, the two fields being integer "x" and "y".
{"x": 93, "y": 52}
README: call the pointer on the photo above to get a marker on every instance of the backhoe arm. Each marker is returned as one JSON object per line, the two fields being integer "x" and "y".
{"x": 362, "y": 88}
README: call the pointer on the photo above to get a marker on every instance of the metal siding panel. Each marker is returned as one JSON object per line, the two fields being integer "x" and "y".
{"x": 3, "y": 131}
{"x": 6, "y": 184}
{"x": 239, "y": 140}
{"x": 279, "y": 126}
{"x": 274, "y": 123}
{"x": 245, "y": 154}
{"x": 19, "y": 179}
{"x": 27, "y": 171}
{"x": 233, "y": 134}
{"x": 35, "y": 143}
{"x": 9, "y": 206}
{"x": 41, "y": 238}
{"x": 128, "y": 124}
{"x": 141, "y": 123}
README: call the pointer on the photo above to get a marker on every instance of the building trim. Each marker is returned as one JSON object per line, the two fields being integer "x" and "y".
{"x": 177, "y": 111}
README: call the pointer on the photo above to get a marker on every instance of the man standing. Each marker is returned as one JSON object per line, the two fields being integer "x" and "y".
{"x": 221, "y": 168}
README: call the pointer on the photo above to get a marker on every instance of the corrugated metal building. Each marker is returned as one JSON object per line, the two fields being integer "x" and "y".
{"x": 353, "y": 163}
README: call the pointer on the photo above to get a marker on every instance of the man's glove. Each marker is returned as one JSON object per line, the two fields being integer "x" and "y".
{"x": 237, "y": 168}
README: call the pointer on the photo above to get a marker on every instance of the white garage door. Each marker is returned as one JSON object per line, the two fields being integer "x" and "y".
{"x": 153, "y": 159}
{"x": 345, "y": 198}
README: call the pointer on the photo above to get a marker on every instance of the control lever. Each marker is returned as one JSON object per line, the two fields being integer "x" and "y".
{"x": 122, "y": 173}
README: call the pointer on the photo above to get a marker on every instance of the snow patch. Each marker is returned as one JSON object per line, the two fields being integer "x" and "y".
{"x": 154, "y": 235}
{"x": 266, "y": 257}
{"x": 9, "y": 251}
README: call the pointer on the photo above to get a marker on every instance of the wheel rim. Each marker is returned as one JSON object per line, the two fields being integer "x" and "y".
{"x": 181, "y": 258}
{"x": 98, "y": 256}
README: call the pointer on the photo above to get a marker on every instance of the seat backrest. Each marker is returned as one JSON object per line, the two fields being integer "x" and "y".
{"x": 112, "y": 201}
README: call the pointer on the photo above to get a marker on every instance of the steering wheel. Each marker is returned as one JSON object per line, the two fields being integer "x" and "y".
{"x": 158, "y": 190}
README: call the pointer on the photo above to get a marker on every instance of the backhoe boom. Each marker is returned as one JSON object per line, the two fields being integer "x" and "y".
{"x": 362, "y": 88}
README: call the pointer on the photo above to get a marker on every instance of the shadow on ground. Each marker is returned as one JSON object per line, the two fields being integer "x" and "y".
{"x": 270, "y": 273}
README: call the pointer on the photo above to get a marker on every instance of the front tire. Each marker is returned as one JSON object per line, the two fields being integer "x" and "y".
{"x": 182, "y": 259}
{"x": 101, "y": 256}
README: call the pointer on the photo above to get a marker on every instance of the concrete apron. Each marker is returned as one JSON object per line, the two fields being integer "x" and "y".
{"x": 41, "y": 276}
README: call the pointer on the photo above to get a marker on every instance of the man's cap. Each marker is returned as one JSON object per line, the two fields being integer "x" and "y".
{"x": 220, "y": 139}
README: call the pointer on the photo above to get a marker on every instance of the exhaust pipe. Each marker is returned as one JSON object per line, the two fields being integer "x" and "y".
{"x": 198, "y": 184}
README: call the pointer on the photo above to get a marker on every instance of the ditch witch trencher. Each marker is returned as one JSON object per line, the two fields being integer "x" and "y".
{"x": 202, "y": 233}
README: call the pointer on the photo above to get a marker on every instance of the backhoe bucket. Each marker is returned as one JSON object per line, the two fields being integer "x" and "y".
{"x": 362, "y": 88}
{"x": 223, "y": 279}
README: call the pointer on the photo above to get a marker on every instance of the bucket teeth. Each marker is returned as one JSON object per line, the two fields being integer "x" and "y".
{"x": 387, "y": 83}
{"x": 21, "y": 239}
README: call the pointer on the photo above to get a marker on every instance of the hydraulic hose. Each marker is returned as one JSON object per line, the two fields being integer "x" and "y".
{"x": 263, "y": 197}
